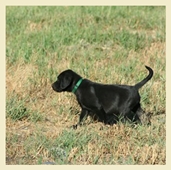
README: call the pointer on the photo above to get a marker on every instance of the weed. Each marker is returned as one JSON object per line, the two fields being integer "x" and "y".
{"x": 35, "y": 117}
{"x": 15, "y": 109}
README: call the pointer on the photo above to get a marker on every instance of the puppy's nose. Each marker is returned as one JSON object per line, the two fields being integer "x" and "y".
{"x": 53, "y": 87}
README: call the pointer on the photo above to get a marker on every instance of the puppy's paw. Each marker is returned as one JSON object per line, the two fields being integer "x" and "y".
{"x": 74, "y": 126}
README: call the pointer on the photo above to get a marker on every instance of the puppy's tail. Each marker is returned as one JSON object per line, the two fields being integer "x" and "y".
{"x": 140, "y": 84}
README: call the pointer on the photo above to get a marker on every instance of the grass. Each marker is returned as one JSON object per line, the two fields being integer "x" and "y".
{"x": 104, "y": 44}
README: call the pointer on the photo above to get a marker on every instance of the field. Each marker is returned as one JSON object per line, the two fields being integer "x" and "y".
{"x": 103, "y": 44}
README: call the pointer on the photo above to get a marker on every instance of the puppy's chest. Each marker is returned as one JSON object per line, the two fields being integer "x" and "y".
{"x": 87, "y": 100}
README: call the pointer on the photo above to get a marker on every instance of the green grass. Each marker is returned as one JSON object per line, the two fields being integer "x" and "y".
{"x": 104, "y": 44}
{"x": 16, "y": 110}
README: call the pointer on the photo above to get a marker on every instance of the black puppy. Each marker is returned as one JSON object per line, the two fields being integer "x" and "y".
{"x": 103, "y": 100}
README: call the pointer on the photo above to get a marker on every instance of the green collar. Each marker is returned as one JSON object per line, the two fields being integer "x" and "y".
{"x": 77, "y": 85}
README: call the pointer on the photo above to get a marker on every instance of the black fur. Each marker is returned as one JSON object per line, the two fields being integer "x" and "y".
{"x": 107, "y": 102}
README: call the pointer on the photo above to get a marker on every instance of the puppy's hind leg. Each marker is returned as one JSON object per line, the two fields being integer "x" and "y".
{"x": 101, "y": 115}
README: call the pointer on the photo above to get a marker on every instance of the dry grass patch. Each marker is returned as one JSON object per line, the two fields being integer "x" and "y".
{"x": 17, "y": 77}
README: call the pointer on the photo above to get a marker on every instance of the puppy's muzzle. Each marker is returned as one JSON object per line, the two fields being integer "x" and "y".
{"x": 53, "y": 87}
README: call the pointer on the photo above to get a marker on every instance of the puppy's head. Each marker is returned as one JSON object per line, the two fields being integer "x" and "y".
{"x": 63, "y": 82}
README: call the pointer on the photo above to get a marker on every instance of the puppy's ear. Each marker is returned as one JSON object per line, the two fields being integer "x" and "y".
{"x": 66, "y": 81}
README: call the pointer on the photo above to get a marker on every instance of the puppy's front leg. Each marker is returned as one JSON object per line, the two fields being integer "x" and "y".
{"x": 83, "y": 114}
